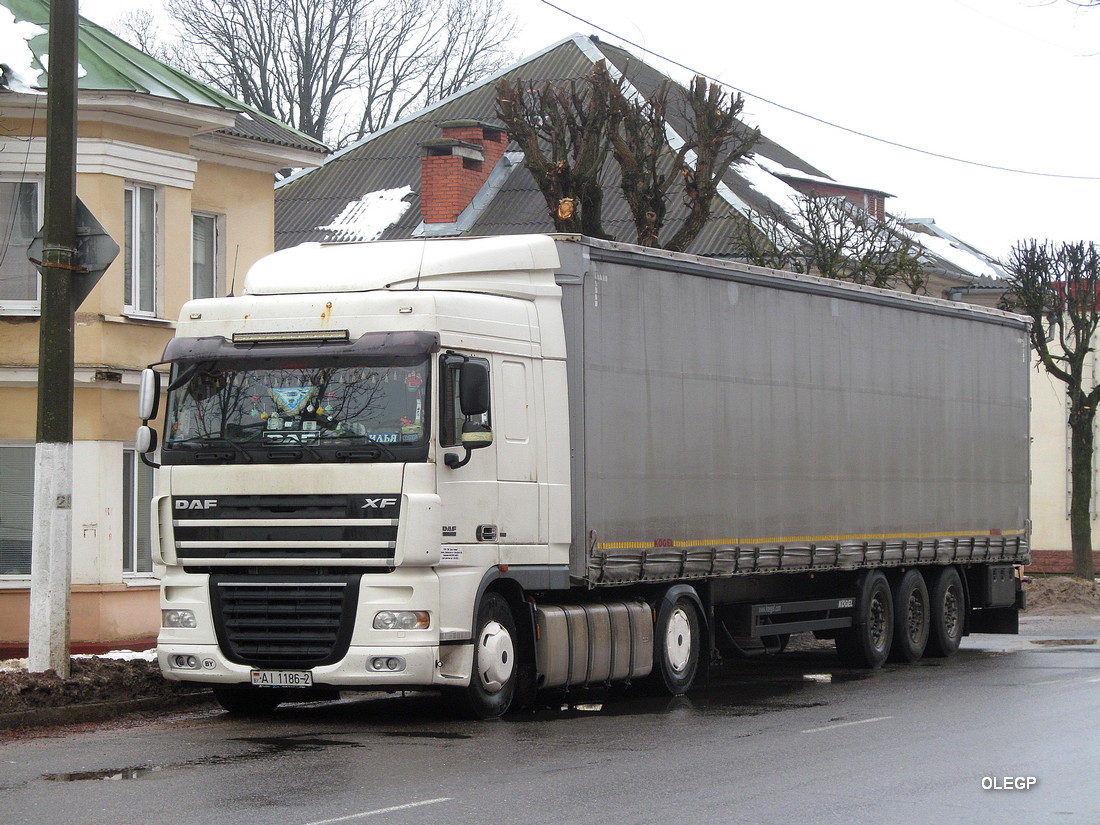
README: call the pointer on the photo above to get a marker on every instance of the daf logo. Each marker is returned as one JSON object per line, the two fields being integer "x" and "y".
{"x": 196, "y": 503}
{"x": 378, "y": 503}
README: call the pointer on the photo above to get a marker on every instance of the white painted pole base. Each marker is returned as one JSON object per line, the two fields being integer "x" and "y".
{"x": 51, "y": 558}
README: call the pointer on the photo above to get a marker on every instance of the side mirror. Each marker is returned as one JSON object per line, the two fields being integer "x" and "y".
{"x": 474, "y": 437}
{"x": 145, "y": 441}
{"x": 473, "y": 382}
{"x": 148, "y": 394}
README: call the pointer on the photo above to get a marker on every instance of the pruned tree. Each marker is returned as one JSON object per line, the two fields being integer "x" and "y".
{"x": 832, "y": 238}
{"x": 566, "y": 132}
{"x": 334, "y": 69}
{"x": 563, "y": 132}
{"x": 1059, "y": 288}
{"x": 640, "y": 140}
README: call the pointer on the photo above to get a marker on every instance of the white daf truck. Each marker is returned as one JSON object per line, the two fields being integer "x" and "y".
{"x": 491, "y": 466}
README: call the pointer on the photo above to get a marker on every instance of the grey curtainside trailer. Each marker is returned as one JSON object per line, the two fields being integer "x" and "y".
{"x": 731, "y": 420}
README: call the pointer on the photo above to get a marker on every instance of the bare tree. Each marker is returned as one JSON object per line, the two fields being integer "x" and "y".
{"x": 563, "y": 132}
{"x": 567, "y": 130}
{"x": 1059, "y": 288}
{"x": 640, "y": 140}
{"x": 832, "y": 238}
{"x": 334, "y": 69}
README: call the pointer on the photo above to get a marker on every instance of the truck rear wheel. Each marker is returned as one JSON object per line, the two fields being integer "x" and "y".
{"x": 867, "y": 643}
{"x": 948, "y": 605}
{"x": 911, "y": 618}
{"x": 677, "y": 640}
{"x": 493, "y": 680}
{"x": 245, "y": 700}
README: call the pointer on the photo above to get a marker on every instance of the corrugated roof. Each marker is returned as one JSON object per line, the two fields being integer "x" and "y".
{"x": 110, "y": 64}
{"x": 390, "y": 159}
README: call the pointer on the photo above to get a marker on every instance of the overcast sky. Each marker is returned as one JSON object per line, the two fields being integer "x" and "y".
{"x": 1009, "y": 83}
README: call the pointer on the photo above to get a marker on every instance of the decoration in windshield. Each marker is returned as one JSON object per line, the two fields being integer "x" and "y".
{"x": 215, "y": 402}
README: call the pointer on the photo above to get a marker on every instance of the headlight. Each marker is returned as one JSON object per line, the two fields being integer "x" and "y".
{"x": 401, "y": 620}
{"x": 178, "y": 618}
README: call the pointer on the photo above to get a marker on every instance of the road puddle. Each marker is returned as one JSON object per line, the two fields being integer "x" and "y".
{"x": 1063, "y": 642}
{"x": 108, "y": 774}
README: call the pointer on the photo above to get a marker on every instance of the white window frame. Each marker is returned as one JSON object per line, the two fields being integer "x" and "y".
{"x": 136, "y": 519}
{"x": 141, "y": 272}
{"x": 22, "y": 306}
{"x": 217, "y": 262}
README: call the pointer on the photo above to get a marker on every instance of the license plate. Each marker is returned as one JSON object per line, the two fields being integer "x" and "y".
{"x": 282, "y": 678}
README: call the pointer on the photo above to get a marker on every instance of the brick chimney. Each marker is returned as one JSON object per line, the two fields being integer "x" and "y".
{"x": 454, "y": 167}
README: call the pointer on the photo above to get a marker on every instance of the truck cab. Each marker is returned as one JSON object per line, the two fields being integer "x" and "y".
{"x": 354, "y": 452}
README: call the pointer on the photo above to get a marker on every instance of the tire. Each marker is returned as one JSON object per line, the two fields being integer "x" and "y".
{"x": 867, "y": 643}
{"x": 912, "y": 618}
{"x": 948, "y": 611}
{"x": 493, "y": 680}
{"x": 245, "y": 700}
{"x": 677, "y": 640}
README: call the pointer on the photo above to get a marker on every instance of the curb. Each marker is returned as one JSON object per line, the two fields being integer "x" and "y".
{"x": 99, "y": 712}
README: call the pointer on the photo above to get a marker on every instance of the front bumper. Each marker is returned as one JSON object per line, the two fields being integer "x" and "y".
{"x": 425, "y": 667}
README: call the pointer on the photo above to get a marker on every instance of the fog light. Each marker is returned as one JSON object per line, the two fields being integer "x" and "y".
{"x": 182, "y": 661}
{"x": 387, "y": 664}
{"x": 402, "y": 620}
{"x": 178, "y": 618}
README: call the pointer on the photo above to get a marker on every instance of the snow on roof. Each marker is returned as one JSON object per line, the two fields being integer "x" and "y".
{"x": 776, "y": 168}
{"x": 759, "y": 178}
{"x": 368, "y": 217}
{"x": 956, "y": 252}
{"x": 16, "y": 53}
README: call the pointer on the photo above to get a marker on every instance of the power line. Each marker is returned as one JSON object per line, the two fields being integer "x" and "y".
{"x": 815, "y": 118}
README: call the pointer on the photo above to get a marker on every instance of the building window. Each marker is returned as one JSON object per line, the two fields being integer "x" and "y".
{"x": 137, "y": 494}
{"x": 20, "y": 219}
{"x": 205, "y": 255}
{"x": 16, "y": 509}
{"x": 140, "y": 249}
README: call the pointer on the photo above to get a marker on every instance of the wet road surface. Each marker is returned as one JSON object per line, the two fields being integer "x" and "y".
{"x": 782, "y": 739}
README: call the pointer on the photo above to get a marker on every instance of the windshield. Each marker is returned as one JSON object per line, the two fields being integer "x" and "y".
{"x": 261, "y": 405}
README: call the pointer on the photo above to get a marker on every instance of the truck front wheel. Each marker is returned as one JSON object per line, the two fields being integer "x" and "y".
{"x": 493, "y": 680}
{"x": 677, "y": 641}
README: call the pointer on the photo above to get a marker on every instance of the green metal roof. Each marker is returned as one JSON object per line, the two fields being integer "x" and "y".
{"x": 109, "y": 64}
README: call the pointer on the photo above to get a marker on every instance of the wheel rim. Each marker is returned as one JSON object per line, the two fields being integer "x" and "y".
{"x": 951, "y": 612}
{"x": 878, "y": 622}
{"x": 678, "y": 640}
{"x": 495, "y": 657}
{"x": 915, "y": 617}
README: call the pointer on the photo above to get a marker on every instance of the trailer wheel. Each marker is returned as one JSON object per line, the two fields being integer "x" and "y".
{"x": 867, "y": 643}
{"x": 677, "y": 641}
{"x": 911, "y": 618}
{"x": 493, "y": 680}
{"x": 245, "y": 700}
{"x": 948, "y": 610}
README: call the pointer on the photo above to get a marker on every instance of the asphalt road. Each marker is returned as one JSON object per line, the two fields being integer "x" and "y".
{"x": 1006, "y": 732}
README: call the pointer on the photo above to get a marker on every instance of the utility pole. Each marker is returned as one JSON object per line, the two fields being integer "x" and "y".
{"x": 51, "y": 545}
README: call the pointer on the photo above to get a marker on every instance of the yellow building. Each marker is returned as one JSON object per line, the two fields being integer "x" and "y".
{"x": 182, "y": 178}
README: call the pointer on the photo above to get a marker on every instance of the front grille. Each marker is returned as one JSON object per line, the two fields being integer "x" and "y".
{"x": 275, "y": 621}
{"x": 358, "y": 530}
